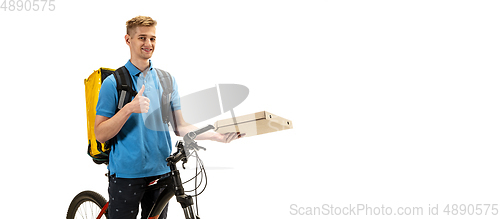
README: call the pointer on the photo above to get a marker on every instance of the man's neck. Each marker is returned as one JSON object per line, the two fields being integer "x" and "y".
{"x": 141, "y": 64}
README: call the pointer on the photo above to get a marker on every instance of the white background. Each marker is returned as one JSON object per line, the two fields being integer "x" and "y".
{"x": 394, "y": 103}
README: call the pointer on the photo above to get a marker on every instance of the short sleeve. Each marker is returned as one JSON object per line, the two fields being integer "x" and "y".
{"x": 176, "y": 100}
{"x": 108, "y": 98}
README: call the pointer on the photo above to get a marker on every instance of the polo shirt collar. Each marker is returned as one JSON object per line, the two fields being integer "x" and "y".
{"x": 134, "y": 71}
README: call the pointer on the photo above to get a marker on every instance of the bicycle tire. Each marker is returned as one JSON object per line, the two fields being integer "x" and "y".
{"x": 86, "y": 204}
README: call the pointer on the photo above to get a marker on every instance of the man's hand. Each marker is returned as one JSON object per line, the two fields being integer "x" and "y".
{"x": 106, "y": 128}
{"x": 140, "y": 104}
{"x": 227, "y": 137}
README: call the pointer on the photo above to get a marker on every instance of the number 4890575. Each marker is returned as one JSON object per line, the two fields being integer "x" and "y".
{"x": 28, "y": 5}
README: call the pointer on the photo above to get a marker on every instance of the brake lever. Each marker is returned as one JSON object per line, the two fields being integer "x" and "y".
{"x": 202, "y": 148}
{"x": 197, "y": 148}
{"x": 193, "y": 146}
{"x": 184, "y": 161}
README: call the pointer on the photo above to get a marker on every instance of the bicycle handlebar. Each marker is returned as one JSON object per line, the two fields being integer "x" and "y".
{"x": 192, "y": 134}
{"x": 188, "y": 144}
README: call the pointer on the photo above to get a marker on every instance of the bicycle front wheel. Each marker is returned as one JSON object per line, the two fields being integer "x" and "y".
{"x": 86, "y": 205}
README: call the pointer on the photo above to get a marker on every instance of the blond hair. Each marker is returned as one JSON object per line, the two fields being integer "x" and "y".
{"x": 139, "y": 21}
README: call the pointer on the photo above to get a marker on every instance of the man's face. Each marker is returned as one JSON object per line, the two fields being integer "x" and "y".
{"x": 142, "y": 43}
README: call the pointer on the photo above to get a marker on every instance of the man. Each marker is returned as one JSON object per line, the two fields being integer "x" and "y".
{"x": 139, "y": 154}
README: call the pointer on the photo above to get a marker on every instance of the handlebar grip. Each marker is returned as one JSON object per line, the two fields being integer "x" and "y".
{"x": 204, "y": 129}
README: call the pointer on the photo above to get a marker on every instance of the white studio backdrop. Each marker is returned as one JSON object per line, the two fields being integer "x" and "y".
{"x": 394, "y": 103}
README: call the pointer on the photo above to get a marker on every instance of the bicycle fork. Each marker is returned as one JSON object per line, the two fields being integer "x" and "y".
{"x": 174, "y": 188}
{"x": 186, "y": 201}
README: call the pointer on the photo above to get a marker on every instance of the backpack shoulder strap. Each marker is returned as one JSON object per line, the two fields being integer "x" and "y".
{"x": 165, "y": 80}
{"x": 124, "y": 86}
{"x": 166, "y": 83}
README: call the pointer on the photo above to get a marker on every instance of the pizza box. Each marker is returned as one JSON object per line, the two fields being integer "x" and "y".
{"x": 253, "y": 124}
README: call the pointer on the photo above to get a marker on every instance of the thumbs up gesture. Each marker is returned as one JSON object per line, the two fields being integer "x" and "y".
{"x": 140, "y": 104}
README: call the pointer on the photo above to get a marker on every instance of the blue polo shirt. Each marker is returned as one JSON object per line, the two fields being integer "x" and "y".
{"x": 144, "y": 141}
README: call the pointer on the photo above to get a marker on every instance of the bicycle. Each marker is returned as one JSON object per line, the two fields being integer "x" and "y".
{"x": 90, "y": 204}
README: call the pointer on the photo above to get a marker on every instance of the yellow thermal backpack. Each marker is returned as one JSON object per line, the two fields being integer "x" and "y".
{"x": 100, "y": 151}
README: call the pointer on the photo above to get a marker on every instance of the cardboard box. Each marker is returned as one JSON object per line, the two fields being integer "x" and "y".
{"x": 253, "y": 124}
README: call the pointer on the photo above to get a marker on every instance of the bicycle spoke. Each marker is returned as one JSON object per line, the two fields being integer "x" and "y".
{"x": 88, "y": 210}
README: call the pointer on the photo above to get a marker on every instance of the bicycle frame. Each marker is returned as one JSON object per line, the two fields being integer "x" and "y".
{"x": 173, "y": 183}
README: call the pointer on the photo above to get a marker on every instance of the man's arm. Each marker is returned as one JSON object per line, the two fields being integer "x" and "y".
{"x": 183, "y": 128}
{"x": 106, "y": 128}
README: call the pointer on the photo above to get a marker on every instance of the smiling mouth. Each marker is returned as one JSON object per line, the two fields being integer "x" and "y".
{"x": 147, "y": 50}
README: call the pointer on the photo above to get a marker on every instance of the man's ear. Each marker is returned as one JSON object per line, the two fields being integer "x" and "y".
{"x": 127, "y": 39}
